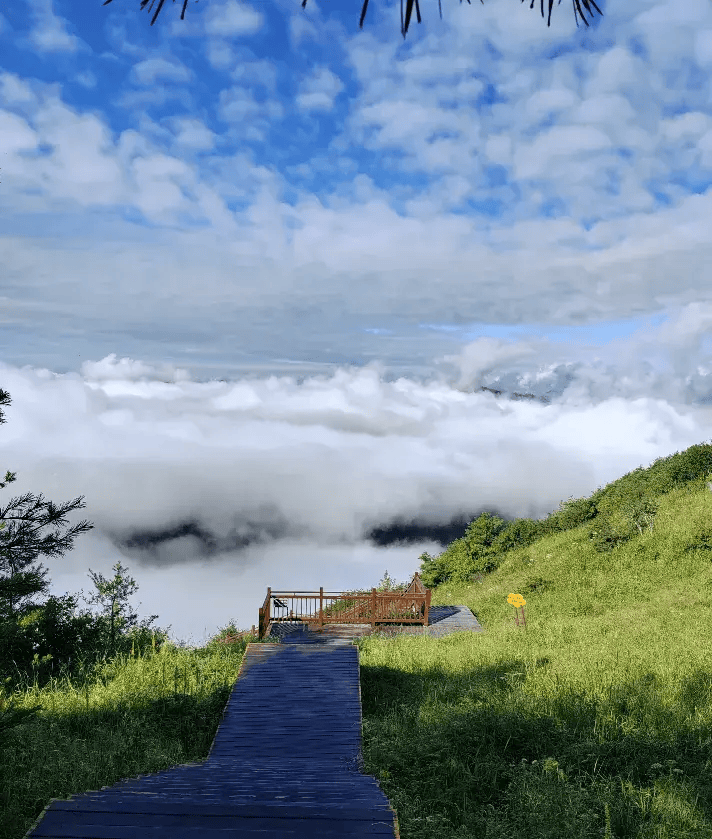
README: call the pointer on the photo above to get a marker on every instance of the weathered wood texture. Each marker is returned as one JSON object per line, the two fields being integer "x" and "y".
{"x": 285, "y": 764}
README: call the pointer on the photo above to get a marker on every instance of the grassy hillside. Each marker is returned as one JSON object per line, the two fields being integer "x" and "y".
{"x": 593, "y": 720}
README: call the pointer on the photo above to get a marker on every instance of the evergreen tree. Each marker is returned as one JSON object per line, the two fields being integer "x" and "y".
{"x": 113, "y": 595}
{"x": 38, "y": 638}
{"x": 20, "y": 543}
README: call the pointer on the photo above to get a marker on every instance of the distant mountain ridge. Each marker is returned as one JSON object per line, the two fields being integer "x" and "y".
{"x": 515, "y": 395}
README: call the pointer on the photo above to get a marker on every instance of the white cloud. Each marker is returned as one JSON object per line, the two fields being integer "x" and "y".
{"x": 232, "y": 18}
{"x": 277, "y": 190}
{"x": 150, "y": 71}
{"x": 544, "y": 103}
{"x": 319, "y": 90}
{"x": 194, "y": 134}
{"x": 49, "y": 34}
{"x": 16, "y": 133}
{"x": 550, "y": 150}
{"x": 14, "y": 89}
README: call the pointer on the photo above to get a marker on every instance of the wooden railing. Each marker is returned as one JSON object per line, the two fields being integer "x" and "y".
{"x": 409, "y": 606}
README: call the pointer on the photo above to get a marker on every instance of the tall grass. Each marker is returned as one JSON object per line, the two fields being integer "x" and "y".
{"x": 593, "y": 721}
{"x": 126, "y": 717}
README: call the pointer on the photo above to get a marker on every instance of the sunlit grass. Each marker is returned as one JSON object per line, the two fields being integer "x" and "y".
{"x": 594, "y": 720}
{"x": 128, "y": 717}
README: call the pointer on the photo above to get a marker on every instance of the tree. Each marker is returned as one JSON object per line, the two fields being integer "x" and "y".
{"x": 116, "y": 593}
{"x": 18, "y": 547}
{"x": 21, "y": 545}
{"x": 34, "y": 636}
{"x": 577, "y": 4}
{"x": 20, "y": 542}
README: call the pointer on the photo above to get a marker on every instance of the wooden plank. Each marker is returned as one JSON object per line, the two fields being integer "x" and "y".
{"x": 284, "y": 763}
{"x": 133, "y": 825}
{"x": 148, "y": 805}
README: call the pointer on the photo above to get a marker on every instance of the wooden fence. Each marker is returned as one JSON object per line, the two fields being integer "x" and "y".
{"x": 410, "y": 606}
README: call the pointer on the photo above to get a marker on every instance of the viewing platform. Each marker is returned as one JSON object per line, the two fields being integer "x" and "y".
{"x": 318, "y": 609}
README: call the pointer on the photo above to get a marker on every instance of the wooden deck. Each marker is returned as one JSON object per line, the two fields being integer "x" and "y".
{"x": 285, "y": 764}
{"x": 319, "y": 609}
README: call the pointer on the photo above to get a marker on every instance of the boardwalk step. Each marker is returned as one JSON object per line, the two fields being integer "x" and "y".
{"x": 284, "y": 763}
{"x": 138, "y": 820}
{"x": 224, "y": 808}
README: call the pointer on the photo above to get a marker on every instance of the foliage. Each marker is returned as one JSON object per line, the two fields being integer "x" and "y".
{"x": 37, "y": 640}
{"x": 386, "y": 584}
{"x": 474, "y": 552}
{"x": 577, "y": 4}
{"x": 570, "y": 514}
{"x": 429, "y": 569}
{"x": 517, "y": 534}
{"x": 437, "y": 570}
{"x": 614, "y": 515}
{"x": 113, "y": 596}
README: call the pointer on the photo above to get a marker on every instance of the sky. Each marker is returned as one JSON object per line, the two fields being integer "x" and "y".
{"x": 257, "y": 264}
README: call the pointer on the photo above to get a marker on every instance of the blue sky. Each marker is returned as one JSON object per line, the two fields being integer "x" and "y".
{"x": 262, "y": 231}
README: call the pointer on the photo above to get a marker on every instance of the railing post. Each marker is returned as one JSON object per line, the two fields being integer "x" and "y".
{"x": 398, "y": 607}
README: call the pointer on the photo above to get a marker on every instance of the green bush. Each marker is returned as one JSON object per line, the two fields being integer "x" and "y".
{"x": 41, "y": 642}
{"x": 571, "y": 514}
{"x": 616, "y": 514}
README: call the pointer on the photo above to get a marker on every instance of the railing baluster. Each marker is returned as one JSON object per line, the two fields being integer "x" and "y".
{"x": 385, "y": 607}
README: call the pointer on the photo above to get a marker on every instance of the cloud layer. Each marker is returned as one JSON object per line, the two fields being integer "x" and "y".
{"x": 211, "y": 491}
{"x": 256, "y": 265}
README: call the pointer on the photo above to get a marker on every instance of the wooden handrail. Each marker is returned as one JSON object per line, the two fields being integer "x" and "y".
{"x": 367, "y": 608}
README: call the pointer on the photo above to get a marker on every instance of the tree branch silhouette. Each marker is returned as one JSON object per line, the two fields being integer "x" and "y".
{"x": 579, "y": 6}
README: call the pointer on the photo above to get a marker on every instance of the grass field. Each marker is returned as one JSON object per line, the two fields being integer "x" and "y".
{"x": 594, "y": 720}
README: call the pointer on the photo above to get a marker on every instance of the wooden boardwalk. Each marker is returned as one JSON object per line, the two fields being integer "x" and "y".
{"x": 285, "y": 764}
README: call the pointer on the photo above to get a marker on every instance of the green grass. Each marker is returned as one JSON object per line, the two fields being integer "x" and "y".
{"x": 594, "y": 721}
{"x": 127, "y": 717}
